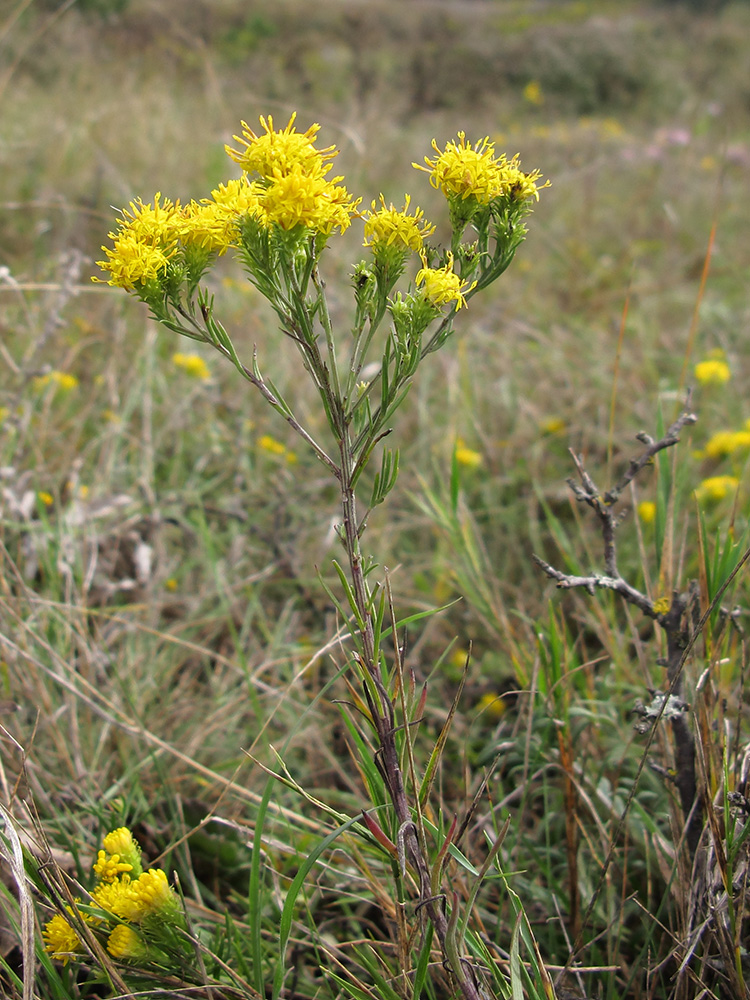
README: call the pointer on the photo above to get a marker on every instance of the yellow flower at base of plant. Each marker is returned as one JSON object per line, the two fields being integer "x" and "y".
{"x": 60, "y": 940}
{"x": 466, "y": 456}
{"x": 280, "y": 151}
{"x": 716, "y": 488}
{"x": 441, "y": 286}
{"x": 193, "y": 365}
{"x": 126, "y": 944}
{"x": 714, "y": 371}
{"x": 647, "y": 511}
{"x": 392, "y": 227}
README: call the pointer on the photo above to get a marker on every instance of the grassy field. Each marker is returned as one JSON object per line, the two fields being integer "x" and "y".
{"x": 168, "y": 622}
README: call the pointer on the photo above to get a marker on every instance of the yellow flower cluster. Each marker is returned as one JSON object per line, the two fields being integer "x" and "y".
{"x": 464, "y": 170}
{"x": 293, "y": 189}
{"x": 135, "y": 898}
{"x": 391, "y": 227}
{"x": 441, "y": 286}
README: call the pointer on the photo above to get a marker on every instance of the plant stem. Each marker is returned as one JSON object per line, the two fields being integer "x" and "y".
{"x": 387, "y": 757}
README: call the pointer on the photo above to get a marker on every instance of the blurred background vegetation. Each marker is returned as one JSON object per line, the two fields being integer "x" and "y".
{"x": 162, "y": 531}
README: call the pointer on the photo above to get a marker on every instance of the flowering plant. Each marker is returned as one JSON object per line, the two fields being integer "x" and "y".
{"x": 134, "y": 912}
{"x": 278, "y": 218}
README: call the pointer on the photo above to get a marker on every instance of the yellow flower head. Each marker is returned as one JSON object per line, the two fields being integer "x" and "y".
{"x": 388, "y": 226}
{"x": 464, "y": 170}
{"x": 647, "y": 511}
{"x": 713, "y": 371}
{"x": 60, "y": 940}
{"x": 280, "y": 151}
{"x": 110, "y": 868}
{"x": 296, "y": 198}
{"x": 147, "y": 895}
{"x": 238, "y": 196}
{"x": 441, "y": 286}
{"x": 208, "y": 226}
{"x": 193, "y": 365}
{"x": 45, "y": 498}
{"x": 112, "y": 896}
{"x": 716, "y": 488}
{"x": 466, "y": 456}
{"x": 492, "y": 705}
{"x": 145, "y": 241}
{"x": 131, "y": 262}
{"x": 126, "y": 944}
{"x": 122, "y": 842}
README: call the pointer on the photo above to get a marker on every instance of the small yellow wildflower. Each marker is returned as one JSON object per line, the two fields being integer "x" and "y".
{"x": 171, "y": 585}
{"x": 132, "y": 262}
{"x": 532, "y": 93}
{"x": 647, "y": 511}
{"x": 60, "y": 380}
{"x": 393, "y": 227}
{"x": 145, "y": 242}
{"x": 4, "y": 412}
{"x": 113, "y": 896}
{"x": 122, "y": 842}
{"x": 46, "y": 498}
{"x": 280, "y": 151}
{"x": 714, "y": 371}
{"x": 148, "y": 894}
{"x": 492, "y": 705}
{"x": 193, "y": 365}
{"x": 110, "y": 868}
{"x": 441, "y": 286}
{"x": 716, "y": 488}
{"x": 466, "y": 456}
{"x": 60, "y": 940}
{"x": 125, "y": 943}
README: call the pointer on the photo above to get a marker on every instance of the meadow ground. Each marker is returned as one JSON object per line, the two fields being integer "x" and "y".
{"x": 165, "y": 632}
